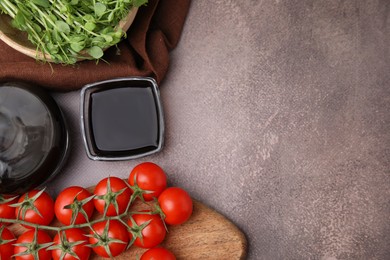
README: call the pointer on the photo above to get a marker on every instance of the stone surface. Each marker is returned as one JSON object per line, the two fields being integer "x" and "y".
{"x": 277, "y": 116}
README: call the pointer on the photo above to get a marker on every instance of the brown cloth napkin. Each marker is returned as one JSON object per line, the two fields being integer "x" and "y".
{"x": 145, "y": 52}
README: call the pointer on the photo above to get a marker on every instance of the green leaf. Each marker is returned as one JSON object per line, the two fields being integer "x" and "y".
{"x": 63, "y": 27}
{"x": 53, "y": 17}
{"x": 89, "y": 18}
{"x": 95, "y": 52}
{"x": 69, "y": 20}
{"x": 52, "y": 48}
{"x": 43, "y": 3}
{"x": 110, "y": 17}
{"x": 19, "y": 21}
{"x": 138, "y": 3}
{"x": 77, "y": 38}
{"x": 100, "y": 9}
{"x": 77, "y": 46}
{"x": 37, "y": 28}
{"x": 64, "y": 8}
{"x": 90, "y": 26}
{"x": 55, "y": 36}
{"x": 78, "y": 29}
{"x": 108, "y": 38}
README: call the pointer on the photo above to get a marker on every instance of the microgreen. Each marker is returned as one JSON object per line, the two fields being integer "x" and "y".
{"x": 67, "y": 30}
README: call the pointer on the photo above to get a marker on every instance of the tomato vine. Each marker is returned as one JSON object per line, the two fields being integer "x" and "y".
{"x": 115, "y": 230}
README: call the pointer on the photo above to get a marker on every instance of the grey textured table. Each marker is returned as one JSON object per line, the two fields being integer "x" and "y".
{"x": 278, "y": 116}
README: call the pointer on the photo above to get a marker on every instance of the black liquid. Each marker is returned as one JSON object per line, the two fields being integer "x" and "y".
{"x": 124, "y": 120}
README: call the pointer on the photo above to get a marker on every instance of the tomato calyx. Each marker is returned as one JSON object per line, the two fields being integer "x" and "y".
{"x": 6, "y": 199}
{"x": 28, "y": 204}
{"x": 158, "y": 211}
{"x": 33, "y": 247}
{"x": 66, "y": 247}
{"x": 137, "y": 191}
{"x": 77, "y": 206}
{"x": 110, "y": 198}
{"x": 136, "y": 231}
{"x": 104, "y": 240}
{"x": 4, "y": 241}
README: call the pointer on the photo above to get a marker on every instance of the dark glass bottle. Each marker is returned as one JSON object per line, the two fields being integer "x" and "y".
{"x": 34, "y": 141}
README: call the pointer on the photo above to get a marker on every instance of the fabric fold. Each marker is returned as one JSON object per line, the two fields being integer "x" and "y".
{"x": 145, "y": 51}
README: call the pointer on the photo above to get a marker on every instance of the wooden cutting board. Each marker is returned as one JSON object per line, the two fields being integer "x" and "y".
{"x": 206, "y": 235}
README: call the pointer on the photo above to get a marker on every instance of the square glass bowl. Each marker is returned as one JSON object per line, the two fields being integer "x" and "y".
{"x": 122, "y": 119}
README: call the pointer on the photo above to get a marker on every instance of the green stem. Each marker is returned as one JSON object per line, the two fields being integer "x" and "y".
{"x": 25, "y": 223}
{"x": 40, "y": 44}
{"x": 44, "y": 15}
{"x": 10, "y": 8}
{"x": 34, "y": 34}
{"x": 62, "y": 228}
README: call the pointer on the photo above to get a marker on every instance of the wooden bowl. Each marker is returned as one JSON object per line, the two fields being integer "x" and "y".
{"x": 18, "y": 40}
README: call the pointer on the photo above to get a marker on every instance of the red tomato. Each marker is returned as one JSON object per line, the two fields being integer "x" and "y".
{"x": 152, "y": 234}
{"x": 67, "y": 239}
{"x": 6, "y": 211}
{"x": 116, "y": 192}
{"x": 116, "y": 230}
{"x": 7, "y": 239}
{"x": 44, "y": 204}
{"x": 158, "y": 253}
{"x": 25, "y": 244}
{"x": 148, "y": 177}
{"x": 73, "y": 196}
{"x": 176, "y": 205}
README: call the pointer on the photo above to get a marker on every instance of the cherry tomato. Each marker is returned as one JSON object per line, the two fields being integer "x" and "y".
{"x": 158, "y": 253}
{"x": 25, "y": 243}
{"x": 148, "y": 177}
{"x": 6, "y": 211}
{"x": 67, "y": 239}
{"x": 44, "y": 204}
{"x": 152, "y": 234}
{"x": 7, "y": 239}
{"x": 77, "y": 198}
{"x": 114, "y": 191}
{"x": 114, "y": 230}
{"x": 176, "y": 205}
